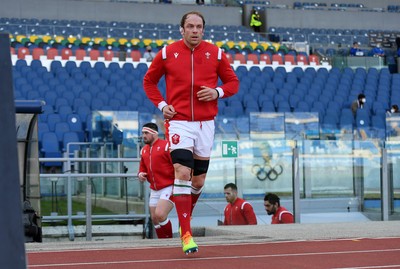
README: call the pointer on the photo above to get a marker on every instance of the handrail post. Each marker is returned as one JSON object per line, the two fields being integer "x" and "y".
{"x": 384, "y": 187}
{"x": 88, "y": 210}
{"x": 146, "y": 207}
{"x": 296, "y": 185}
{"x": 69, "y": 201}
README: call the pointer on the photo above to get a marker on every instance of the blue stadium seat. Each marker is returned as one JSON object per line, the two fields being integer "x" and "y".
{"x": 268, "y": 106}
{"x": 52, "y": 119}
{"x": 64, "y": 111}
{"x": 346, "y": 120}
{"x": 226, "y": 125}
{"x": 330, "y": 122}
{"x": 50, "y": 149}
{"x": 47, "y": 109}
{"x": 97, "y": 104}
{"x": 362, "y": 118}
{"x": 50, "y": 98}
{"x": 70, "y": 137}
{"x": 59, "y": 129}
{"x": 76, "y": 125}
{"x": 42, "y": 128}
{"x": 61, "y": 101}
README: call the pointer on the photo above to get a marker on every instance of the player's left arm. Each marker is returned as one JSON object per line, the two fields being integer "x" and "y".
{"x": 228, "y": 77}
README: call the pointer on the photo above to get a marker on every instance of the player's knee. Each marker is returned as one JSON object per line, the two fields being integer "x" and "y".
{"x": 200, "y": 167}
{"x": 183, "y": 157}
{"x": 154, "y": 219}
{"x": 159, "y": 216}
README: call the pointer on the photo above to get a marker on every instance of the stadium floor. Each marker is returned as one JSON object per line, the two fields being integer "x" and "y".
{"x": 366, "y": 244}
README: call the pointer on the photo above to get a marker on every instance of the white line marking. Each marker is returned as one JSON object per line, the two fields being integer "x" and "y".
{"x": 370, "y": 267}
{"x": 210, "y": 245}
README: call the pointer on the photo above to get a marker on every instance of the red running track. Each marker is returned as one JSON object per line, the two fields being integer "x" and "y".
{"x": 345, "y": 253}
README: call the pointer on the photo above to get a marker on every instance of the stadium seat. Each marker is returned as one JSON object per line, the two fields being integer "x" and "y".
{"x": 94, "y": 54}
{"x": 314, "y": 59}
{"x": 277, "y": 58}
{"x": 362, "y": 118}
{"x": 240, "y": 57}
{"x": 36, "y": 53}
{"x": 302, "y": 59}
{"x": 266, "y": 57}
{"x": 69, "y": 141}
{"x": 75, "y": 124}
{"x": 64, "y": 111}
{"x": 80, "y": 54}
{"x": 42, "y": 128}
{"x": 108, "y": 55}
{"x": 50, "y": 149}
{"x": 59, "y": 129}
{"x": 346, "y": 120}
{"x": 289, "y": 58}
{"x": 97, "y": 104}
{"x": 253, "y": 57}
{"x": 22, "y": 52}
{"x": 50, "y": 98}
{"x": 51, "y": 53}
{"x": 135, "y": 55}
{"x": 66, "y": 53}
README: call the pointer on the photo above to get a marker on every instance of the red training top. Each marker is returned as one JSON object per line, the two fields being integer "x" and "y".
{"x": 239, "y": 213}
{"x": 186, "y": 70}
{"x": 156, "y": 162}
{"x": 282, "y": 216}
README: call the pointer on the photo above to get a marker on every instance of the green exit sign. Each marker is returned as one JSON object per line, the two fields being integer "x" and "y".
{"x": 230, "y": 149}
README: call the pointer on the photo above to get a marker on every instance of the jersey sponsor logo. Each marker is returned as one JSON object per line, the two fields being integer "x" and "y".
{"x": 175, "y": 139}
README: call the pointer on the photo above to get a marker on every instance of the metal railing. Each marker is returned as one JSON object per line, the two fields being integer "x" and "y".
{"x": 88, "y": 216}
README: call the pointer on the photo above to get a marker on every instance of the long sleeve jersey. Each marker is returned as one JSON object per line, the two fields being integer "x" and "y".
{"x": 156, "y": 162}
{"x": 282, "y": 216}
{"x": 186, "y": 70}
{"x": 239, "y": 213}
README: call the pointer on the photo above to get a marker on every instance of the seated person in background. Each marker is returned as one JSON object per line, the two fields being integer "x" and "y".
{"x": 358, "y": 103}
{"x": 237, "y": 211}
{"x": 393, "y": 109}
{"x": 378, "y": 51}
{"x": 355, "y": 50}
{"x": 280, "y": 215}
{"x": 149, "y": 55}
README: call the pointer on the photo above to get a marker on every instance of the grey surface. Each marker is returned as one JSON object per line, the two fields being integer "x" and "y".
{"x": 115, "y": 11}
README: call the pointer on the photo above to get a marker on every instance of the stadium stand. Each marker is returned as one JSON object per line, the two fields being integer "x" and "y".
{"x": 300, "y": 90}
{"x": 78, "y": 88}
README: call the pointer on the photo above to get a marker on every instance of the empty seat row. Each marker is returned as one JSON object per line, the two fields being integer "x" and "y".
{"x": 328, "y": 93}
{"x": 300, "y": 59}
{"x": 78, "y": 54}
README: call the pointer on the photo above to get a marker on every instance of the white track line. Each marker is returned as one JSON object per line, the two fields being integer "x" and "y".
{"x": 209, "y": 245}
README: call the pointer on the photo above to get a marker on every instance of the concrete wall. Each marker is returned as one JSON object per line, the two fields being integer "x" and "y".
{"x": 102, "y": 10}
{"x": 115, "y": 11}
{"x": 332, "y": 19}
{"x": 366, "y": 3}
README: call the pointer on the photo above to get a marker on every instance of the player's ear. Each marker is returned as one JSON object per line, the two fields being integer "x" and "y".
{"x": 181, "y": 30}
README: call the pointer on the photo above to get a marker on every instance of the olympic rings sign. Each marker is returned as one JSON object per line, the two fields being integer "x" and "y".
{"x": 267, "y": 171}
